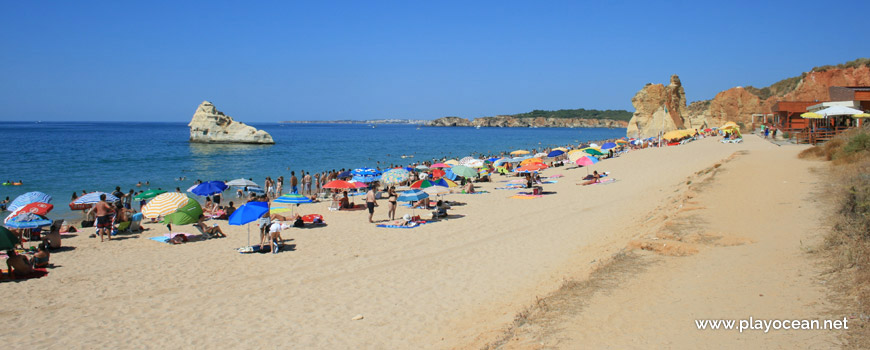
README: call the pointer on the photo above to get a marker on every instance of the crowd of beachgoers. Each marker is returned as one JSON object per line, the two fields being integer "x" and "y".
{"x": 422, "y": 185}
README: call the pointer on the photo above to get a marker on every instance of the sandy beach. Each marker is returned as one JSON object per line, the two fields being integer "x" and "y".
{"x": 455, "y": 283}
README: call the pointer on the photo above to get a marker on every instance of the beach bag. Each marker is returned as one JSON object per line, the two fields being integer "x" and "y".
{"x": 87, "y": 223}
{"x": 298, "y": 223}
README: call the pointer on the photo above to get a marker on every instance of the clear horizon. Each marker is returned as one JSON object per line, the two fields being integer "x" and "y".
{"x": 272, "y": 61}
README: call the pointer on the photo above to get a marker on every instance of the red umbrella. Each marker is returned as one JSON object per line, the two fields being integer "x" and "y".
{"x": 533, "y": 167}
{"x": 37, "y": 208}
{"x": 339, "y": 184}
{"x": 422, "y": 184}
{"x": 437, "y": 173}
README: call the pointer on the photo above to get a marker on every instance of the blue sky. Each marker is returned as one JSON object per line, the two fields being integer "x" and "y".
{"x": 271, "y": 61}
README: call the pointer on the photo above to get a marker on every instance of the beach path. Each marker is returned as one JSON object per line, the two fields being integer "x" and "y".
{"x": 735, "y": 247}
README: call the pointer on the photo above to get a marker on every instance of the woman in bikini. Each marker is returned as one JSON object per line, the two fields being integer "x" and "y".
{"x": 393, "y": 197}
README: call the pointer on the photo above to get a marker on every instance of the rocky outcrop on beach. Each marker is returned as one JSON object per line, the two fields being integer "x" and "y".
{"x": 737, "y": 104}
{"x": 503, "y": 121}
{"x": 659, "y": 108}
{"x": 209, "y": 125}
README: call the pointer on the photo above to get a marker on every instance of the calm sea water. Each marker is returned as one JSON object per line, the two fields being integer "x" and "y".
{"x": 60, "y": 158}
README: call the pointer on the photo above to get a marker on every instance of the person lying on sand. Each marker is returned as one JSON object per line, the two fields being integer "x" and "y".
{"x": 178, "y": 239}
{"x": 596, "y": 178}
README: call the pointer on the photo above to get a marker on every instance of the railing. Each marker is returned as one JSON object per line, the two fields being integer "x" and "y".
{"x": 814, "y": 137}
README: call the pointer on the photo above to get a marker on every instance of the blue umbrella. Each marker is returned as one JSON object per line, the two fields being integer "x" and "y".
{"x": 344, "y": 174}
{"x": 555, "y": 153}
{"x": 366, "y": 175}
{"x": 412, "y": 196}
{"x": 608, "y": 145}
{"x": 247, "y": 213}
{"x": 27, "y": 198}
{"x": 449, "y": 174}
{"x": 209, "y": 188}
{"x": 28, "y": 220}
{"x": 94, "y": 197}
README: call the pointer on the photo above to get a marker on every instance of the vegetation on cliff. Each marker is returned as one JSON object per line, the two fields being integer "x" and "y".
{"x": 785, "y": 86}
{"x": 580, "y": 113}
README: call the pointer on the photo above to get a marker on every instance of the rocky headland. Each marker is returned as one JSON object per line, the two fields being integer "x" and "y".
{"x": 209, "y": 125}
{"x": 737, "y": 104}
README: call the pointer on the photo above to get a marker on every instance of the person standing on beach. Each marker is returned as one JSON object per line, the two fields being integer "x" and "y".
{"x": 294, "y": 182}
{"x": 306, "y": 183}
{"x": 371, "y": 202}
{"x": 392, "y": 198}
{"x": 279, "y": 186}
{"x": 104, "y": 217}
{"x": 128, "y": 200}
{"x": 118, "y": 193}
{"x": 269, "y": 188}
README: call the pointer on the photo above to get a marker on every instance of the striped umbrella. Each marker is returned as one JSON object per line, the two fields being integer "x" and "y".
{"x": 164, "y": 204}
{"x": 37, "y": 208}
{"x": 27, "y": 198}
{"x": 436, "y": 190}
{"x": 452, "y": 162}
{"x": 586, "y": 161}
{"x": 440, "y": 165}
{"x": 340, "y": 184}
{"x": 293, "y": 199}
{"x": 412, "y": 196}
{"x": 94, "y": 197}
{"x": 422, "y": 184}
{"x": 394, "y": 177}
{"x": 466, "y": 160}
{"x": 519, "y": 152}
{"x": 28, "y": 220}
{"x": 444, "y": 182}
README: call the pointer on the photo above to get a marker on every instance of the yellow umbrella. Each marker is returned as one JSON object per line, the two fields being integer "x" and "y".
{"x": 621, "y": 141}
{"x": 812, "y": 115}
{"x": 861, "y": 115}
{"x": 675, "y": 134}
{"x": 531, "y": 160}
{"x": 563, "y": 149}
{"x": 452, "y": 162}
{"x": 519, "y": 152}
{"x": 728, "y": 125}
{"x": 164, "y": 204}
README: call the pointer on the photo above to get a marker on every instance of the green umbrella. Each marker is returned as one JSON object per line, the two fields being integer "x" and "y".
{"x": 464, "y": 171}
{"x": 187, "y": 214}
{"x": 148, "y": 194}
{"x": 8, "y": 240}
{"x": 593, "y": 152}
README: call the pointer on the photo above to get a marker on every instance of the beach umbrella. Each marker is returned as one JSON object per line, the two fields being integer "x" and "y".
{"x": 621, "y": 141}
{"x": 27, "y": 220}
{"x": 449, "y": 174}
{"x": 520, "y": 152}
{"x": 464, "y": 171}
{"x": 209, "y": 188}
{"x": 293, "y": 199}
{"x": 394, "y": 177}
{"x": 861, "y": 115}
{"x": 563, "y": 149}
{"x": 37, "y": 208}
{"x": 466, "y": 160}
{"x": 452, "y": 162}
{"x": 675, "y": 134}
{"x": 555, "y": 153}
{"x": 436, "y": 190}
{"x": 242, "y": 183}
{"x": 186, "y": 214}
{"x": 412, "y": 196}
{"x": 608, "y": 145}
{"x": 345, "y": 174}
{"x": 593, "y": 145}
{"x": 94, "y": 197}
{"x": 839, "y": 110}
{"x": 586, "y": 161}
{"x": 164, "y": 204}
{"x": 278, "y": 210}
{"x": 366, "y": 175}
{"x": 8, "y": 240}
{"x": 148, "y": 194}
{"x": 530, "y": 161}
{"x": 540, "y": 155}
{"x": 358, "y": 184}
{"x": 27, "y": 198}
{"x": 422, "y": 167}
{"x": 444, "y": 182}
{"x": 593, "y": 152}
{"x": 339, "y": 184}
{"x": 532, "y": 167}
{"x": 477, "y": 163}
{"x": 440, "y": 165}
{"x": 808, "y": 115}
{"x": 422, "y": 184}
{"x": 500, "y": 161}
{"x": 437, "y": 173}
{"x": 248, "y": 213}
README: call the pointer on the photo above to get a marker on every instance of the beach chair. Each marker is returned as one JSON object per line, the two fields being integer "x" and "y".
{"x": 202, "y": 233}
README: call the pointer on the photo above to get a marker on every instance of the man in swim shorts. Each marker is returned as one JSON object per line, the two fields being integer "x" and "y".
{"x": 371, "y": 203}
{"x": 103, "y": 212}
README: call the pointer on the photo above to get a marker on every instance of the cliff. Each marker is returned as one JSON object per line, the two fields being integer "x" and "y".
{"x": 514, "y": 122}
{"x": 737, "y": 104}
{"x": 210, "y": 125}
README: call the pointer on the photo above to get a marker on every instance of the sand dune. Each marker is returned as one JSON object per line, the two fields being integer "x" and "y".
{"x": 455, "y": 283}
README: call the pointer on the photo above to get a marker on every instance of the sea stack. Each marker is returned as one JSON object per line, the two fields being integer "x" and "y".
{"x": 210, "y": 125}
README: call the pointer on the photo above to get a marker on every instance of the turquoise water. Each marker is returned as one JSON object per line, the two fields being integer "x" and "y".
{"x": 59, "y": 158}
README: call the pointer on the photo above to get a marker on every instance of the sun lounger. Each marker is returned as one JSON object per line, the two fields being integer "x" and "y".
{"x": 203, "y": 233}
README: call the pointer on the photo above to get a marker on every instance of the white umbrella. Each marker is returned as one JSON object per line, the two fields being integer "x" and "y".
{"x": 838, "y": 110}
{"x": 242, "y": 183}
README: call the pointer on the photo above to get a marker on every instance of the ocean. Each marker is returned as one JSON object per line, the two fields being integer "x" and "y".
{"x": 60, "y": 158}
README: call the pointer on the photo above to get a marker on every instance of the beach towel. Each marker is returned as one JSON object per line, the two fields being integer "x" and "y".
{"x": 406, "y": 205}
{"x": 397, "y": 224}
{"x": 313, "y": 219}
{"x": 477, "y": 192}
{"x": 165, "y": 238}
{"x": 259, "y": 249}
{"x": 37, "y": 273}
{"x": 526, "y": 196}
{"x": 355, "y": 207}
{"x": 602, "y": 182}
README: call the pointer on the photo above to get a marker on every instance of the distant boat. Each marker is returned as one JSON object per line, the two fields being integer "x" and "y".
{"x": 477, "y": 127}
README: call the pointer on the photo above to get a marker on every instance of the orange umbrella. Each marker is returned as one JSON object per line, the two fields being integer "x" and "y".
{"x": 531, "y": 161}
{"x": 533, "y": 167}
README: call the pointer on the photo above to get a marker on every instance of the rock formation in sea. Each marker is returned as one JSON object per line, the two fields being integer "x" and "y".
{"x": 737, "y": 104}
{"x": 504, "y": 121}
{"x": 209, "y": 125}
